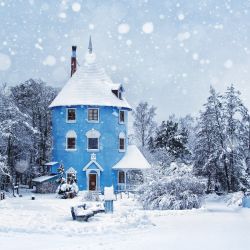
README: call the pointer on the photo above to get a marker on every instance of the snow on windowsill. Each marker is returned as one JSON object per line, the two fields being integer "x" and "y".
{"x": 70, "y": 149}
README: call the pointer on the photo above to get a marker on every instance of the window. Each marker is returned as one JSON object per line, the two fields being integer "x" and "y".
{"x": 93, "y": 143}
{"x": 71, "y": 115}
{"x": 122, "y": 142}
{"x": 93, "y": 139}
{"x": 71, "y": 143}
{"x": 120, "y": 94}
{"x": 121, "y": 177}
{"x": 71, "y": 140}
{"x": 121, "y": 116}
{"x": 93, "y": 115}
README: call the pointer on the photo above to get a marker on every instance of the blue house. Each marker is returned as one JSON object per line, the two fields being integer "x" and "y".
{"x": 89, "y": 128}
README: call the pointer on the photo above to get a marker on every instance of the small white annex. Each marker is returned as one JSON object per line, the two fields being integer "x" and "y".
{"x": 133, "y": 160}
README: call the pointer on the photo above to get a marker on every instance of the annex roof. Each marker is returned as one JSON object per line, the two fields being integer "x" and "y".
{"x": 51, "y": 163}
{"x": 132, "y": 160}
{"x": 44, "y": 178}
{"x": 89, "y": 85}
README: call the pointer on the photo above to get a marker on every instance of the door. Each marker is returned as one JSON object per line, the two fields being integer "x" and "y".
{"x": 92, "y": 182}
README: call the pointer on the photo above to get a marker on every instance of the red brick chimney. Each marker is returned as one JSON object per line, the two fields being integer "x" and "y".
{"x": 73, "y": 60}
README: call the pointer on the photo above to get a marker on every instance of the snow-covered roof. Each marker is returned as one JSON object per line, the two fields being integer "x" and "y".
{"x": 71, "y": 171}
{"x": 51, "y": 163}
{"x": 89, "y": 85}
{"x": 43, "y": 178}
{"x": 133, "y": 159}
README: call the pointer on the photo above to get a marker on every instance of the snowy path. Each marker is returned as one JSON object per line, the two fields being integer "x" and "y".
{"x": 216, "y": 227}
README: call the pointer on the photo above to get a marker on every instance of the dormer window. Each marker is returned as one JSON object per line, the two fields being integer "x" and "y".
{"x": 93, "y": 115}
{"x": 71, "y": 115}
{"x": 117, "y": 91}
{"x": 120, "y": 94}
{"x": 121, "y": 116}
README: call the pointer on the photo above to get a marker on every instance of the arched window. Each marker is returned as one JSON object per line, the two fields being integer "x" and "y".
{"x": 71, "y": 140}
{"x": 93, "y": 140}
{"x": 122, "y": 140}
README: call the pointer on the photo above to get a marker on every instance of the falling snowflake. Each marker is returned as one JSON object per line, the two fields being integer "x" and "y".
{"x": 62, "y": 15}
{"x": 76, "y": 7}
{"x": 49, "y": 61}
{"x": 228, "y": 64}
{"x": 91, "y": 26}
{"x": 5, "y": 62}
{"x": 113, "y": 68}
{"x": 162, "y": 17}
{"x": 38, "y": 46}
{"x": 62, "y": 59}
{"x": 195, "y": 56}
{"x": 129, "y": 42}
{"x": 123, "y": 28}
{"x": 183, "y": 36}
{"x": 148, "y": 27}
{"x": 181, "y": 17}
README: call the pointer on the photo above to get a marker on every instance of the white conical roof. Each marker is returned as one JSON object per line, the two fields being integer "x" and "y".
{"x": 132, "y": 160}
{"x": 89, "y": 86}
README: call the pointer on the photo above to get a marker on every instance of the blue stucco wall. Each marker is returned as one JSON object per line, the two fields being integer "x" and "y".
{"x": 107, "y": 156}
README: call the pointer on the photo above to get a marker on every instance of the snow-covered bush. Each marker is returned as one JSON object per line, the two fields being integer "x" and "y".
{"x": 91, "y": 196}
{"x": 177, "y": 190}
{"x": 67, "y": 190}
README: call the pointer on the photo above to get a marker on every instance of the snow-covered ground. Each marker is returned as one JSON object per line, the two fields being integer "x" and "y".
{"x": 45, "y": 223}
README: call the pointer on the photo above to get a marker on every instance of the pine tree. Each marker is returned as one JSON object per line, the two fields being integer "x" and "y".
{"x": 169, "y": 138}
{"x": 235, "y": 114}
{"x": 219, "y": 151}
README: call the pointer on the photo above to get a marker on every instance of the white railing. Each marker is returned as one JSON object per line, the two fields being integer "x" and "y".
{"x": 121, "y": 187}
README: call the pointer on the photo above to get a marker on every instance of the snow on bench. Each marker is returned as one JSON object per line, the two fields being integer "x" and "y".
{"x": 82, "y": 213}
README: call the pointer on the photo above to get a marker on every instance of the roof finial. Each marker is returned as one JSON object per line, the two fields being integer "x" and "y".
{"x": 90, "y": 46}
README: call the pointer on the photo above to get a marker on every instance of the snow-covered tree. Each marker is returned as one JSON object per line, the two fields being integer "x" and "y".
{"x": 25, "y": 138}
{"x": 177, "y": 188}
{"x": 219, "y": 151}
{"x": 16, "y": 132}
{"x": 144, "y": 124}
{"x": 33, "y": 98}
{"x": 171, "y": 139}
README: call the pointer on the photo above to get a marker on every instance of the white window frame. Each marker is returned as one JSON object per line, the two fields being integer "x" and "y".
{"x": 121, "y": 122}
{"x": 122, "y": 136}
{"x": 98, "y": 143}
{"x": 70, "y": 121}
{"x": 71, "y": 134}
{"x": 93, "y": 134}
{"x": 93, "y": 121}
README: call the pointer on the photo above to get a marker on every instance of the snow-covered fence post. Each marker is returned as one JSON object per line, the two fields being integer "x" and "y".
{"x": 15, "y": 188}
{"x": 109, "y": 198}
{"x": 246, "y": 200}
{"x": 2, "y": 196}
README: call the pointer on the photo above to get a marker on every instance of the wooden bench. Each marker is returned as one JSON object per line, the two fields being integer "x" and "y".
{"x": 81, "y": 213}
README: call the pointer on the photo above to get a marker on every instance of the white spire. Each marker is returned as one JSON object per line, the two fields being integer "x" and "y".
{"x": 90, "y": 46}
